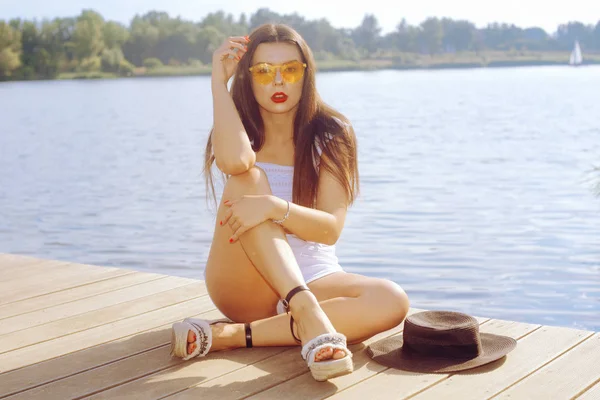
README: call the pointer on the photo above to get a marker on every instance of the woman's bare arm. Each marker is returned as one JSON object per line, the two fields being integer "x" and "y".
{"x": 231, "y": 146}
{"x": 323, "y": 224}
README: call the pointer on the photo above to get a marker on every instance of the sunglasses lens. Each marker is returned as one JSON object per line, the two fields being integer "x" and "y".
{"x": 263, "y": 73}
{"x": 292, "y": 72}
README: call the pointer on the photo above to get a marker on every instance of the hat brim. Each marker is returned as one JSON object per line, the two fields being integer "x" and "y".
{"x": 390, "y": 353}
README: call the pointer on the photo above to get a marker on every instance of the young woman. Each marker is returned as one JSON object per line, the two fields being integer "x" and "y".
{"x": 291, "y": 167}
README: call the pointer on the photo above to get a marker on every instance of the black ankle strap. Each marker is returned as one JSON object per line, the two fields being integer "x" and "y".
{"x": 286, "y": 305}
{"x": 248, "y": 335}
{"x": 292, "y": 293}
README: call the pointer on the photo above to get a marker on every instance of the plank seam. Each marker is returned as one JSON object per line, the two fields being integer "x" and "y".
{"x": 225, "y": 374}
{"x": 111, "y": 322}
{"x": 578, "y": 395}
{"x": 71, "y": 287}
{"x": 542, "y": 366}
{"x": 148, "y": 374}
{"x": 96, "y": 310}
{"x": 83, "y": 298}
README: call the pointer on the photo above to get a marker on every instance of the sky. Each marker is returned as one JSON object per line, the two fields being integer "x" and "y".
{"x": 341, "y": 14}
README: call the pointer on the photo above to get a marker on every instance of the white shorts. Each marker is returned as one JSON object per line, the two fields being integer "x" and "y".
{"x": 315, "y": 260}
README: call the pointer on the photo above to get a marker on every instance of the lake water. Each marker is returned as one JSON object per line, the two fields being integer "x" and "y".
{"x": 476, "y": 192}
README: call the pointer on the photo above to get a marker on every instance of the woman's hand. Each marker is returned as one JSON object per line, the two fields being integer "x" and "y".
{"x": 247, "y": 212}
{"x": 224, "y": 66}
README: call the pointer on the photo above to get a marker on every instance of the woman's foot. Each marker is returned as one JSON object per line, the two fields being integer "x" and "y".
{"x": 224, "y": 336}
{"x": 312, "y": 322}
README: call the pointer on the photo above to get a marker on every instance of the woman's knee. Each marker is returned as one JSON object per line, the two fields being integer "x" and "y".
{"x": 253, "y": 181}
{"x": 391, "y": 299}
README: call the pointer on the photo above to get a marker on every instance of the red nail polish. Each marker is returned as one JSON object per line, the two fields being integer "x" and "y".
{"x": 220, "y": 222}
{"x": 230, "y": 240}
{"x": 247, "y": 38}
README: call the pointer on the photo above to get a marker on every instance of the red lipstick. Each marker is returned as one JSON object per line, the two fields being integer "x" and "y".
{"x": 279, "y": 97}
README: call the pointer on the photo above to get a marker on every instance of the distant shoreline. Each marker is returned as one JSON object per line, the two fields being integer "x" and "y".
{"x": 400, "y": 62}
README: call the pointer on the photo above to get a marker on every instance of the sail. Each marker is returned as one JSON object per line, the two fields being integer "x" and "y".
{"x": 576, "y": 57}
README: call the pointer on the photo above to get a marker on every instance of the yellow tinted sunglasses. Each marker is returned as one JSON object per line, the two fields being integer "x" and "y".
{"x": 291, "y": 72}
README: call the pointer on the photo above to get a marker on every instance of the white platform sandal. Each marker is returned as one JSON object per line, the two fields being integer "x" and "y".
{"x": 322, "y": 370}
{"x": 203, "y": 332}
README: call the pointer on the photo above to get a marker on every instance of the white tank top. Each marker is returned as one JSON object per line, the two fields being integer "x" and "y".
{"x": 307, "y": 253}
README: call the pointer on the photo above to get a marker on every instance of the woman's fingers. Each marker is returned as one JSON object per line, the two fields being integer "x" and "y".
{"x": 237, "y": 50}
{"x": 236, "y": 235}
{"x": 229, "y": 45}
{"x": 227, "y": 217}
{"x": 239, "y": 39}
{"x": 235, "y": 226}
{"x": 230, "y": 53}
{"x": 237, "y": 45}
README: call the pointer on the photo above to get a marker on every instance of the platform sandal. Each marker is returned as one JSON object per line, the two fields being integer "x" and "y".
{"x": 321, "y": 370}
{"x": 203, "y": 332}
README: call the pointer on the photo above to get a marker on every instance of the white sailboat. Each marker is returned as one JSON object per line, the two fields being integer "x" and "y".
{"x": 576, "y": 58}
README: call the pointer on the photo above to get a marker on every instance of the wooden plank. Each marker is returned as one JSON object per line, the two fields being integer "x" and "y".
{"x": 76, "y": 293}
{"x": 404, "y": 383}
{"x": 14, "y": 266}
{"x": 184, "y": 375}
{"x": 101, "y": 334}
{"x": 75, "y": 275}
{"x": 60, "y": 312}
{"x": 564, "y": 377}
{"x": 30, "y": 269}
{"x": 250, "y": 379}
{"x": 275, "y": 370}
{"x": 181, "y": 292}
{"x": 17, "y": 262}
{"x": 110, "y": 364}
{"x": 532, "y": 352}
{"x": 592, "y": 393}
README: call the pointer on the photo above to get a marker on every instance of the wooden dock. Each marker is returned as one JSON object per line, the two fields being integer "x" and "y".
{"x": 72, "y": 331}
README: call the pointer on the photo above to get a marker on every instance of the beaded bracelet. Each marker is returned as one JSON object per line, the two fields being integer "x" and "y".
{"x": 287, "y": 214}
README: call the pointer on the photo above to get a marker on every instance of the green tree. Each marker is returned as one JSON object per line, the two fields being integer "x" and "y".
{"x": 431, "y": 35}
{"x": 88, "y": 36}
{"x": 208, "y": 39}
{"x": 264, "y": 16}
{"x": 10, "y": 49}
{"x": 142, "y": 41}
{"x": 567, "y": 34}
{"x": 596, "y": 36}
{"x": 458, "y": 35}
{"x": 152, "y": 63}
{"x": 405, "y": 37}
{"x": 367, "y": 34}
{"x": 114, "y": 34}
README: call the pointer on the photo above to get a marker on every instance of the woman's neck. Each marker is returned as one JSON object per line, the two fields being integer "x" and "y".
{"x": 278, "y": 128}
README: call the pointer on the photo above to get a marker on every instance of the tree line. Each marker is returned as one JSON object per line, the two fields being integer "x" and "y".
{"x": 88, "y": 42}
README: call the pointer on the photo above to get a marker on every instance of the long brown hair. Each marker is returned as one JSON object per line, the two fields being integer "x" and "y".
{"x": 314, "y": 121}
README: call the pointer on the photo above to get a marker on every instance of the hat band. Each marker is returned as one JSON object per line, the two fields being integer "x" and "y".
{"x": 466, "y": 351}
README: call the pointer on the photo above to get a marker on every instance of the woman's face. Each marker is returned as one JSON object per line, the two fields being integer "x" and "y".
{"x": 278, "y": 96}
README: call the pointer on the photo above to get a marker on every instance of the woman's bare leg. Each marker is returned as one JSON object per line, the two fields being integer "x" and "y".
{"x": 358, "y": 306}
{"x": 237, "y": 290}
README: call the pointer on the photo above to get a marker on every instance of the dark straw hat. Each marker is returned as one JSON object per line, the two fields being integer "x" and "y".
{"x": 440, "y": 341}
